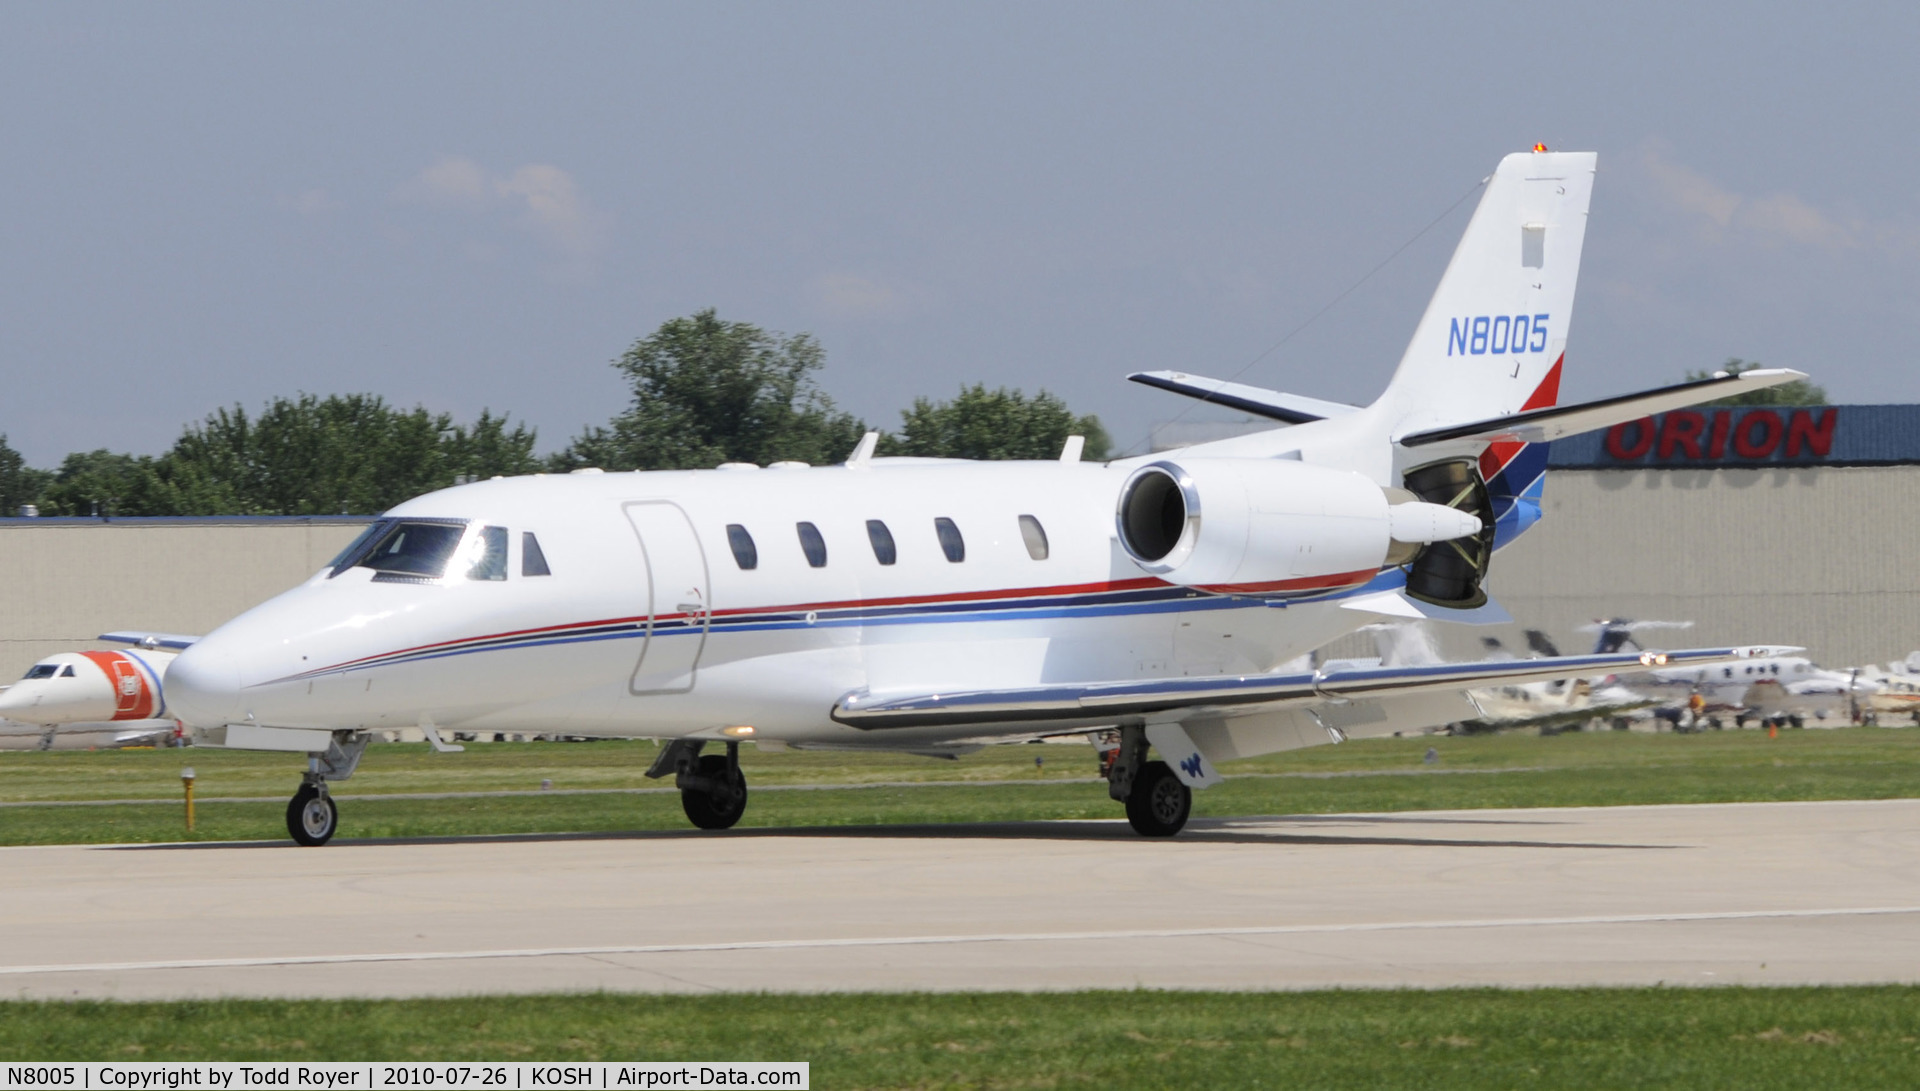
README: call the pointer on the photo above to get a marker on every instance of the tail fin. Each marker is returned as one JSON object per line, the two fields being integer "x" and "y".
{"x": 1493, "y": 336}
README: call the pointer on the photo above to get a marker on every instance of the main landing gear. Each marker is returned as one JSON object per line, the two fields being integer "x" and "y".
{"x": 1157, "y": 802}
{"x": 713, "y": 790}
{"x": 312, "y": 815}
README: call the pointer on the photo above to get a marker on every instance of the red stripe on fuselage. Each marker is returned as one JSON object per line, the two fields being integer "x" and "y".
{"x": 119, "y": 669}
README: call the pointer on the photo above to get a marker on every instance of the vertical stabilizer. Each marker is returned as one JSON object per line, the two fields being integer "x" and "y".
{"x": 1493, "y": 336}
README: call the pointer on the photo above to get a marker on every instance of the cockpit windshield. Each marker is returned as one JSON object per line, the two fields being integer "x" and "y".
{"x": 416, "y": 548}
{"x": 42, "y": 670}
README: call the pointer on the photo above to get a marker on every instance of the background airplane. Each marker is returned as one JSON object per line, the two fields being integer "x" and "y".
{"x": 1783, "y": 688}
{"x": 95, "y": 698}
{"x": 937, "y": 606}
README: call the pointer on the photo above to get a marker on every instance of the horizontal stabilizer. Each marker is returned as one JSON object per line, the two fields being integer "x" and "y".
{"x": 149, "y": 640}
{"x": 1542, "y": 425}
{"x": 1272, "y": 404}
{"x": 1095, "y": 703}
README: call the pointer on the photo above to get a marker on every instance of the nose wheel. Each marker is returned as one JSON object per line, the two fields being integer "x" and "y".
{"x": 312, "y": 816}
{"x": 716, "y": 796}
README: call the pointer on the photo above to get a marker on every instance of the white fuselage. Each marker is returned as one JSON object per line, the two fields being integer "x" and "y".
{"x": 649, "y": 625}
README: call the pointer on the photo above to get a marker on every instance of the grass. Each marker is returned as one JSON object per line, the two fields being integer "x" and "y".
{"x": 1586, "y": 769}
{"x": 1854, "y": 1037}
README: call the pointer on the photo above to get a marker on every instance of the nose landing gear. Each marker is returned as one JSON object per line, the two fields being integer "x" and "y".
{"x": 713, "y": 790}
{"x": 312, "y": 815}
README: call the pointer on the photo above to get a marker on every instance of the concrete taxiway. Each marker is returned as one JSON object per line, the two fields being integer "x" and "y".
{"x": 1741, "y": 893}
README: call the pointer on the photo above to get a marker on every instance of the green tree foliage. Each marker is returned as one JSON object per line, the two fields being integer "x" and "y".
{"x": 300, "y": 456}
{"x": 322, "y": 456}
{"x": 19, "y": 482}
{"x": 99, "y": 483}
{"x": 707, "y": 391}
{"x": 989, "y": 424}
{"x": 1797, "y": 392}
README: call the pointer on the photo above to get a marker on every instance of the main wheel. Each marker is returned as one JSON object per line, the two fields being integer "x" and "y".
{"x": 1159, "y": 803}
{"x": 721, "y": 806}
{"x": 312, "y": 817}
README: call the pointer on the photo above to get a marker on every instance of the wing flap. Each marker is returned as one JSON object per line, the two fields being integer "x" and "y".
{"x": 1105, "y": 702}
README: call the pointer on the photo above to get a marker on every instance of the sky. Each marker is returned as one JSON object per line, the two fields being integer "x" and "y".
{"x": 483, "y": 205}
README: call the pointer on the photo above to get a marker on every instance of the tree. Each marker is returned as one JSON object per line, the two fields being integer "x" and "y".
{"x": 1797, "y": 392}
{"x": 19, "y": 482}
{"x": 989, "y": 424}
{"x": 707, "y": 391}
{"x": 324, "y": 456}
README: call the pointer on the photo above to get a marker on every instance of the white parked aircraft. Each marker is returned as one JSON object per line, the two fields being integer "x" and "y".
{"x": 935, "y": 606}
{"x": 1786, "y": 687}
{"x": 113, "y": 698}
{"x": 1548, "y": 705}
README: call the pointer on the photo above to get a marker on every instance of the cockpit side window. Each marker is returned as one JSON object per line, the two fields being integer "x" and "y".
{"x": 67, "y": 671}
{"x": 41, "y": 670}
{"x": 533, "y": 562}
{"x": 358, "y": 548}
{"x": 412, "y": 549}
{"x": 489, "y": 553}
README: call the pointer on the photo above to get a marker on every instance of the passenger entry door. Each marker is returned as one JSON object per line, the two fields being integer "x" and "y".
{"x": 677, "y": 610}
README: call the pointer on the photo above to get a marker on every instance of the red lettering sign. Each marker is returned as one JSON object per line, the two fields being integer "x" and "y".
{"x": 1767, "y": 423}
{"x": 1642, "y": 431}
{"x": 1717, "y": 446}
{"x": 1681, "y": 429}
{"x": 1818, "y": 438}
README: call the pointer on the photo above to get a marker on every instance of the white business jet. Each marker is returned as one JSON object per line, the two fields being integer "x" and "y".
{"x": 110, "y": 698}
{"x": 933, "y": 606}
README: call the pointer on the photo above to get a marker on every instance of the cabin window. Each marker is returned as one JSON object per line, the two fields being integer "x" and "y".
{"x": 882, "y": 540}
{"x": 1035, "y": 535}
{"x": 954, "y": 546}
{"x": 533, "y": 560}
{"x": 744, "y": 553}
{"x": 489, "y": 552}
{"x": 812, "y": 544}
{"x": 412, "y": 549}
{"x": 42, "y": 670}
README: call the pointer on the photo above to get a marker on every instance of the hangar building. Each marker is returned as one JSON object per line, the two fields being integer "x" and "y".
{"x": 1759, "y": 525}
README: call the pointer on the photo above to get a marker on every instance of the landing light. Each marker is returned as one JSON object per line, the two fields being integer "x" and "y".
{"x": 1653, "y": 659}
{"x": 740, "y": 732}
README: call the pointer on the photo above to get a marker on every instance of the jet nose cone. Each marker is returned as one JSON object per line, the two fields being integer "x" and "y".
{"x": 203, "y": 686}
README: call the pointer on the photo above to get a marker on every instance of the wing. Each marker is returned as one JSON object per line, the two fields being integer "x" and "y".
{"x": 149, "y": 640}
{"x": 1106, "y": 702}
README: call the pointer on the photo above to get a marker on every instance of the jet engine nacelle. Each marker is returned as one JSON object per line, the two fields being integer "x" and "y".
{"x": 1244, "y": 525}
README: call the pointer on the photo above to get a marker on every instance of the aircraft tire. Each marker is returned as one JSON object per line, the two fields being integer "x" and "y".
{"x": 311, "y": 817}
{"x": 715, "y": 810}
{"x": 1159, "y": 804}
